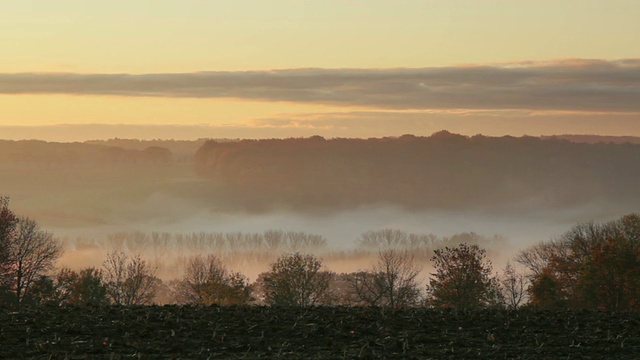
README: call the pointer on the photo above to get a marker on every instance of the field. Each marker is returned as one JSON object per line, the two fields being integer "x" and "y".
{"x": 175, "y": 332}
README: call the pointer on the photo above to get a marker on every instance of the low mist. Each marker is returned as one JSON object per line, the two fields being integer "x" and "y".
{"x": 444, "y": 185}
{"x": 341, "y": 231}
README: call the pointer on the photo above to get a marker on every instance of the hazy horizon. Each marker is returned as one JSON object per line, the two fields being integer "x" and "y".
{"x": 67, "y": 133}
{"x": 76, "y": 71}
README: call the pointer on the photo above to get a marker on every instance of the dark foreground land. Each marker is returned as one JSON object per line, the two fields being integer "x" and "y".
{"x": 175, "y": 332}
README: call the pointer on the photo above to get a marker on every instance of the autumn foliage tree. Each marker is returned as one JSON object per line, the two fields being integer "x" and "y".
{"x": 463, "y": 279}
{"x": 546, "y": 292}
{"x": 594, "y": 266}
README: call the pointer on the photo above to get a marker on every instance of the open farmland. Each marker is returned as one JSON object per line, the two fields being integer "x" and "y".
{"x": 176, "y": 332}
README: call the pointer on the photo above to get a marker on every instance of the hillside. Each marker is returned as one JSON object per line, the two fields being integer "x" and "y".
{"x": 134, "y": 182}
{"x": 441, "y": 171}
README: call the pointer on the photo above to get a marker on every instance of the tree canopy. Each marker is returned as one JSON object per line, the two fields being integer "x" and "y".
{"x": 297, "y": 280}
{"x": 590, "y": 266}
{"x": 463, "y": 279}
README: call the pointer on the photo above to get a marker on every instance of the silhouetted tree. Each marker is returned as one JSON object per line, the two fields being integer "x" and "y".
{"x": 537, "y": 257}
{"x": 297, "y": 280}
{"x": 207, "y": 282}
{"x": 129, "y": 281}
{"x": 43, "y": 291}
{"x": 392, "y": 282}
{"x": 85, "y": 287}
{"x": 30, "y": 253}
{"x": 462, "y": 279}
{"x": 8, "y": 222}
{"x": 514, "y": 286}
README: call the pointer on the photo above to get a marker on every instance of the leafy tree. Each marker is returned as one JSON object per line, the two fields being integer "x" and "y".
{"x": 610, "y": 279}
{"x": 207, "y": 282}
{"x": 297, "y": 280}
{"x": 129, "y": 281}
{"x": 392, "y": 281}
{"x": 43, "y": 291}
{"x": 592, "y": 265}
{"x": 68, "y": 287}
{"x": 82, "y": 288}
{"x": 546, "y": 292}
{"x": 462, "y": 279}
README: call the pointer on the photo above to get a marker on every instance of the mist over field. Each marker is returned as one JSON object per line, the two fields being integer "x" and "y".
{"x": 343, "y": 228}
{"x": 522, "y": 190}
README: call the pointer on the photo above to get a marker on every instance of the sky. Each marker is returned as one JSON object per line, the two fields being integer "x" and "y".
{"x": 73, "y": 69}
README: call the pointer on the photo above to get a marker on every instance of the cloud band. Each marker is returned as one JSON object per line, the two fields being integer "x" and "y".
{"x": 567, "y": 85}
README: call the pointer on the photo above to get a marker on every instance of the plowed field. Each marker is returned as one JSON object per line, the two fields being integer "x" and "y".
{"x": 175, "y": 332}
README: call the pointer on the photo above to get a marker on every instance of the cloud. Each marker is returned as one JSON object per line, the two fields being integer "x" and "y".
{"x": 570, "y": 85}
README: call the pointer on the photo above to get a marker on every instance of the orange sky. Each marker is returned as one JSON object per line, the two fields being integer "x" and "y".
{"x": 387, "y": 68}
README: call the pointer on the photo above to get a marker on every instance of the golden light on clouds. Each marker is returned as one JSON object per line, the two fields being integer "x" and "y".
{"x": 172, "y": 40}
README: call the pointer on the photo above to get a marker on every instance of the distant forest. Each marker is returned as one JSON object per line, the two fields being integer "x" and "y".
{"x": 441, "y": 171}
{"x": 35, "y": 152}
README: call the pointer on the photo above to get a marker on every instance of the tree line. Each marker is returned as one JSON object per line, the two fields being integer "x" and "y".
{"x": 592, "y": 266}
{"x": 271, "y": 243}
{"x": 441, "y": 171}
{"x": 36, "y": 152}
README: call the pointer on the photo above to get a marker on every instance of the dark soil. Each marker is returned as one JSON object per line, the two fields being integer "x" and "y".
{"x": 176, "y": 332}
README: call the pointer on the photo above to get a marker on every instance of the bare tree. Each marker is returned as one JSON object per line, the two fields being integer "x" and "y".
{"x": 129, "y": 281}
{"x": 273, "y": 239}
{"x": 537, "y": 257}
{"x": 297, "y": 280}
{"x": 207, "y": 282}
{"x": 392, "y": 282}
{"x": 31, "y": 253}
{"x": 300, "y": 241}
{"x": 383, "y": 239}
{"x": 514, "y": 286}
